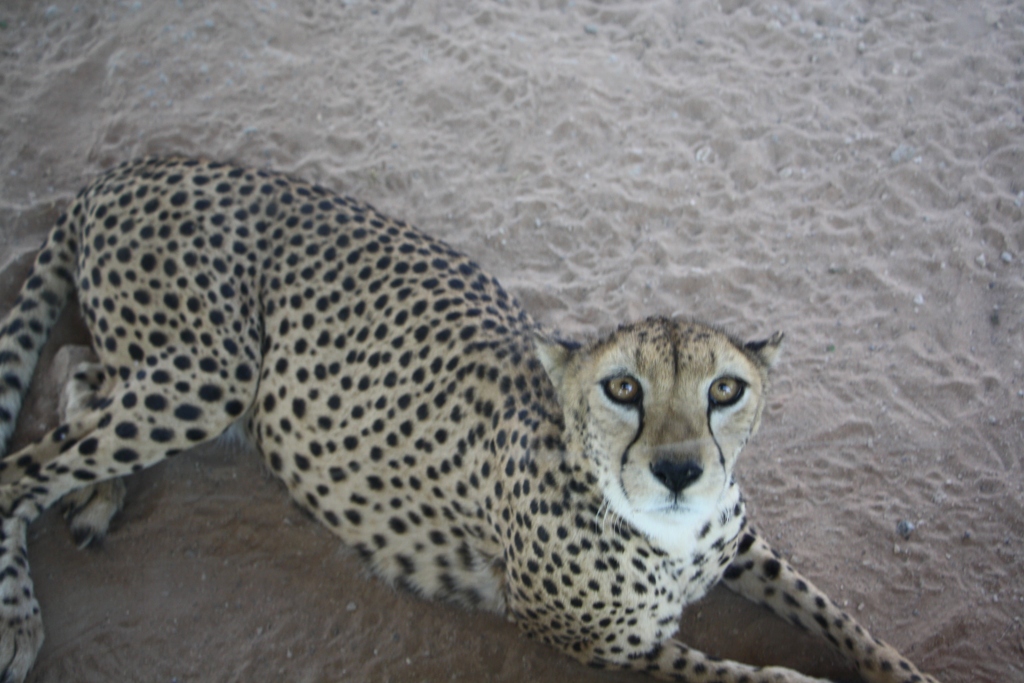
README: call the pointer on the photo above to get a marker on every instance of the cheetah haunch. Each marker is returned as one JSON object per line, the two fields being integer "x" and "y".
{"x": 409, "y": 404}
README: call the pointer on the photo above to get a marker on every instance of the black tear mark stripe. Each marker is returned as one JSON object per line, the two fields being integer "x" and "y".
{"x": 721, "y": 456}
{"x": 625, "y": 454}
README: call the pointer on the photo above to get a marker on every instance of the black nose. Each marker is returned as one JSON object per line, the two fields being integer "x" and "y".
{"x": 675, "y": 475}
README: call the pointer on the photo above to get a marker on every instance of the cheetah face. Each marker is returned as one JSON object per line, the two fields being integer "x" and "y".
{"x": 658, "y": 412}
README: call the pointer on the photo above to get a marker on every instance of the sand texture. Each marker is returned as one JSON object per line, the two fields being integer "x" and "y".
{"x": 850, "y": 172}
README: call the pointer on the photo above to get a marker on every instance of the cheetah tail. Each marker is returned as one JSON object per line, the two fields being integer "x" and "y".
{"x": 26, "y": 327}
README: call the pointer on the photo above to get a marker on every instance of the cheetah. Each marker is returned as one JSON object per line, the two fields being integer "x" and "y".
{"x": 585, "y": 490}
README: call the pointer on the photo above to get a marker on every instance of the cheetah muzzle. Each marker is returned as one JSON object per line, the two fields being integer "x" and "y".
{"x": 408, "y": 403}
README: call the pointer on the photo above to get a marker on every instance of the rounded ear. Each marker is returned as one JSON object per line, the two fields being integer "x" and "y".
{"x": 767, "y": 350}
{"x": 554, "y": 355}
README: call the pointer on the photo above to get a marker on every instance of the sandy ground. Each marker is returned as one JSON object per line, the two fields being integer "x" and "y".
{"x": 851, "y": 172}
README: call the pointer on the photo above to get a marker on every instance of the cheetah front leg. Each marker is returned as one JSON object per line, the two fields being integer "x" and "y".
{"x": 674, "y": 661}
{"x": 89, "y": 510}
{"x": 620, "y": 634}
{"x": 759, "y": 574}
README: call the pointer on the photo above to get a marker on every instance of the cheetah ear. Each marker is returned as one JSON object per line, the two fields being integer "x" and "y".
{"x": 554, "y": 355}
{"x": 766, "y": 350}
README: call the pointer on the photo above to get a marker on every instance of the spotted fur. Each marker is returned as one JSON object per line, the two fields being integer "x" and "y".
{"x": 410, "y": 405}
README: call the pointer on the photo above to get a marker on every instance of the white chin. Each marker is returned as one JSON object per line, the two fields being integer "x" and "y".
{"x": 672, "y": 527}
{"x": 675, "y": 531}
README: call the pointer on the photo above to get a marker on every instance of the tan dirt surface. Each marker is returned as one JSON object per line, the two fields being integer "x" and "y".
{"x": 850, "y": 172}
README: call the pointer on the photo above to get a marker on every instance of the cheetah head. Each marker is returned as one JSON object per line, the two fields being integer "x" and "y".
{"x": 658, "y": 412}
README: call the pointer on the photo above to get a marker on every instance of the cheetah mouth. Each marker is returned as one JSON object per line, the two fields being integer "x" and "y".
{"x": 676, "y": 507}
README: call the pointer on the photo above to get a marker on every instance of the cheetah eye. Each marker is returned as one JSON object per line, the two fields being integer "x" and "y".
{"x": 623, "y": 389}
{"x": 725, "y": 391}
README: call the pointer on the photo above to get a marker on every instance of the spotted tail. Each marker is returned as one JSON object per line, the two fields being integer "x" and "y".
{"x": 27, "y": 325}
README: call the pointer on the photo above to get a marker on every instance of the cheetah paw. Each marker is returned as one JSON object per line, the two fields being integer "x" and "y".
{"x": 89, "y": 510}
{"x": 21, "y": 625}
{"x": 81, "y": 389}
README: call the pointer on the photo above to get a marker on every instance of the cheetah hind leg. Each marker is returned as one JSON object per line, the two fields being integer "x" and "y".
{"x": 22, "y": 632}
{"x": 89, "y": 510}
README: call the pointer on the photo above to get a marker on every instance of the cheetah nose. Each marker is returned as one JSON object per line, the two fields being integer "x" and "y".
{"x": 676, "y": 475}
